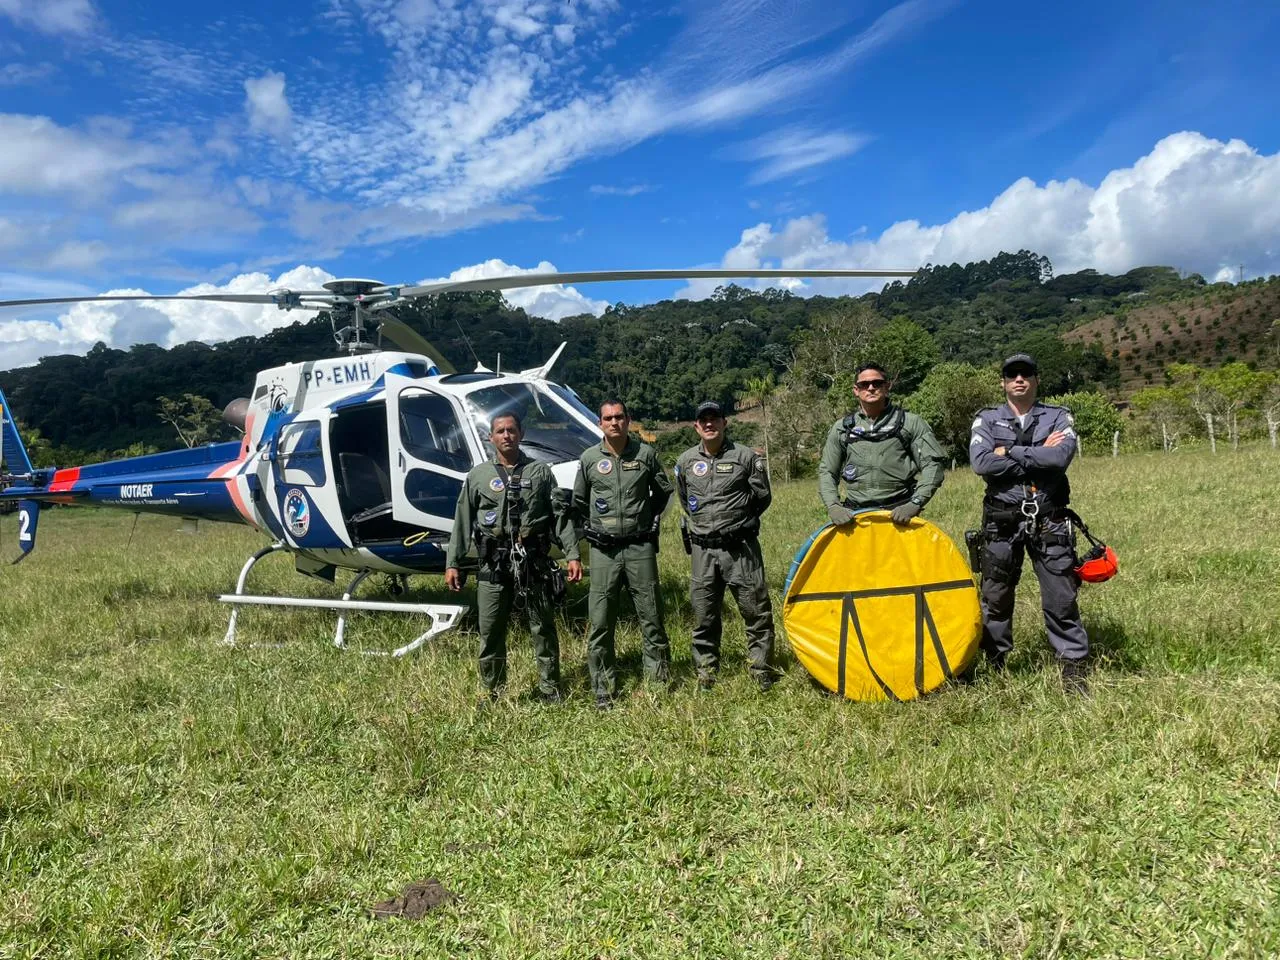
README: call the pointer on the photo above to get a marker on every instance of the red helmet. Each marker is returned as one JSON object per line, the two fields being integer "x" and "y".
{"x": 1098, "y": 565}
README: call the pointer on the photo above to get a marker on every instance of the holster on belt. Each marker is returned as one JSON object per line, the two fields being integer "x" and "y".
{"x": 726, "y": 538}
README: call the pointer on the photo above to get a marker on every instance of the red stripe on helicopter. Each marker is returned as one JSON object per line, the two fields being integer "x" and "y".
{"x": 230, "y": 472}
{"x": 64, "y": 480}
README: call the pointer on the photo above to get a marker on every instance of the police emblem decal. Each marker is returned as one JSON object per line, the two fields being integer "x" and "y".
{"x": 604, "y": 467}
{"x": 850, "y": 473}
{"x": 602, "y": 505}
{"x": 297, "y": 513}
{"x": 700, "y": 468}
{"x": 693, "y": 504}
{"x": 490, "y": 518}
{"x": 496, "y": 485}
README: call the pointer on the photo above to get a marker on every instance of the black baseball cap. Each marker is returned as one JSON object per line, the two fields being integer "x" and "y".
{"x": 708, "y": 407}
{"x": 1024, "y": 360}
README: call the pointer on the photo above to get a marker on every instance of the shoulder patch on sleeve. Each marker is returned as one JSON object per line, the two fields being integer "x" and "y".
{"x": 760, "y": 464}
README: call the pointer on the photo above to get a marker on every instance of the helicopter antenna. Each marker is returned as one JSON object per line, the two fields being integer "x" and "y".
{"x": 466, "y": 340}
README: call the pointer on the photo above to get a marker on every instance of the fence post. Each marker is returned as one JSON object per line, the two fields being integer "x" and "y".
{"x": 1115, "y": 444}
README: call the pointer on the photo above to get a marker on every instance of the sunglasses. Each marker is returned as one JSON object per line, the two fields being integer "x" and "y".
{"x": 872, "y": 384}
{"x": 1015, "y": 374}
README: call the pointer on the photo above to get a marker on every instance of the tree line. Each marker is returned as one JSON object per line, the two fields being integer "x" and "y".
{"x": 941, "y": 334}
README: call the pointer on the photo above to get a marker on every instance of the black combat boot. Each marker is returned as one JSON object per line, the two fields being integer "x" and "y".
{"x": 1075, "y": 675}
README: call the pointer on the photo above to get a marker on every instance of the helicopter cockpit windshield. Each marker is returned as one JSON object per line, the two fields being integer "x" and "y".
{"x": 551, "y": 432}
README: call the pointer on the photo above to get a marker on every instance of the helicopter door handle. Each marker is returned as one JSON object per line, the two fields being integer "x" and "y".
{"x": 401, "y": 456}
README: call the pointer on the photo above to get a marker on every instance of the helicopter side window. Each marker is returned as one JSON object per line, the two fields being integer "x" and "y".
{"x": 301, "y": 455}
{"x": 430, "y": 431}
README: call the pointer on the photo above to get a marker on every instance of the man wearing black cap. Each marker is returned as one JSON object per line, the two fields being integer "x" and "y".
{"x": 1022, "y": 449}
{"x": 888, "y": 458}
{"x": 724, "y": 488}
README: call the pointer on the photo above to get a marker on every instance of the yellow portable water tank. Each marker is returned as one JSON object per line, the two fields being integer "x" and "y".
{"x": 878, "y": 611}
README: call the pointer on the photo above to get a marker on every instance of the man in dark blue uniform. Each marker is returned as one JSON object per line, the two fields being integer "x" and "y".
{"x": 1022, "y": 449}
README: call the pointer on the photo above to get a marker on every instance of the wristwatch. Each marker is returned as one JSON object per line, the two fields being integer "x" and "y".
{"x": 918, "y": 501}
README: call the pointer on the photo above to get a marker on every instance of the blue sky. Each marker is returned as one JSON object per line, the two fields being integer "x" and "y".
{"x": 240, "y": 145}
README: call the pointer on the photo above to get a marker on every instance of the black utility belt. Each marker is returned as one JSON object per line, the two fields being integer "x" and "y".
{"x": 488, "y": 546}
{"x": 729, "y": 538}
{"x": 600, "y": 538}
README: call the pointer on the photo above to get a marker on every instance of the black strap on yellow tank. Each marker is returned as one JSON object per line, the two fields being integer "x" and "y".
{"x": 924, "y": 621}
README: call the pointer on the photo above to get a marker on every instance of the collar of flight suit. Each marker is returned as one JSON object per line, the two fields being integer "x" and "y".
{"x": 629, "y": 452}
{"x": 889, "y": 410}
{"x": 724, "y": 448}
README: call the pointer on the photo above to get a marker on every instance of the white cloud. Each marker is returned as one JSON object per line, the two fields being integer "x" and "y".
{"x": 1192, "y": 202}
{"x": 50, "y": 16}
{"x": 42, "y": 157}
{"x": 267, "y": 106}
{"x": 790, "y": 151}
{"x": 554, "y": 301}
{"x": 24, "y": 340}
{"x": 21, "y": 74}
{"x": 78, "y": 328}
{"x": 603, "y": 190}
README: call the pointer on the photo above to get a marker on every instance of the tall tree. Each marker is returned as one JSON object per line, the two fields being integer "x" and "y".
{"x": 760, "y": 390}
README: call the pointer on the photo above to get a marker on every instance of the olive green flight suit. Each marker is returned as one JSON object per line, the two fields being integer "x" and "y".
{"x": 723, "y": 497}
{"x": 619, "y": 501}
{"x": 882, "y": 463}
{"x": 485, "y": 514}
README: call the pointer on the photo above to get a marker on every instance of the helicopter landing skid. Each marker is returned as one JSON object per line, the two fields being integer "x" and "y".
{"x": 443, "y": 616}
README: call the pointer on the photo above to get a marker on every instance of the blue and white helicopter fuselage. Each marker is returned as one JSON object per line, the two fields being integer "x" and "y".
{"x": 354, "y": 462}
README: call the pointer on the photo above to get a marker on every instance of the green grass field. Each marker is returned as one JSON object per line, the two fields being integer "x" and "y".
{"x": 163, "y": 795}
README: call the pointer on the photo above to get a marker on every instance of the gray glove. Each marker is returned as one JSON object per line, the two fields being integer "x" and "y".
{"x": 839, "y": 514}
{"x": 903, "y": 512}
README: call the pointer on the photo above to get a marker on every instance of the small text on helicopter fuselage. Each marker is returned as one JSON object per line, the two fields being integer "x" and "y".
{"x": 338, "y": 374}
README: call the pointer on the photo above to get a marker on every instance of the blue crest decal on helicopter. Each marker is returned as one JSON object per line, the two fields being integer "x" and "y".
{"x": 297, "y": 513}
{"x": 602, "y": 505}
{"x": 496, "y": 484}
{"x": 490, "y": 518}
{"x": 850, "y": 473}
{"x": 693, "y": 504}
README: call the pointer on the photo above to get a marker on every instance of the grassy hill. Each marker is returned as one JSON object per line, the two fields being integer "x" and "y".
{"x": 1216, "y": 325}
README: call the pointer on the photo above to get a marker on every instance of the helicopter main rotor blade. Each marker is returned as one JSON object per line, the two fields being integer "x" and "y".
{"x": 403, "y": 335}
{"x": 607, "y": 276}
{"x": 276, "y": 298}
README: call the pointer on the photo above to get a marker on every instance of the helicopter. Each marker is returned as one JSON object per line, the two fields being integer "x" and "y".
{"x": 354, "y": 462}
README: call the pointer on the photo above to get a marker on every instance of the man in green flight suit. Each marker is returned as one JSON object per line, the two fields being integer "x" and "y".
{"x": 618, "y": 496}
{"x": 888, "y": 458}
{"x": 724, "y": 488}
{"x": 508, "y": 507}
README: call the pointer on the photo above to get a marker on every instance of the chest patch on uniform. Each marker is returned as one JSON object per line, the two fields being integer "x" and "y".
{"x": 699, "y": 468}
{"x": 631, "y": 464}
{"x": 490, "y": 518}
{"x": 693, "y": 504}
{"x": 604, "y": 467}
{"x": 724, "y": 468}
{"x": 602, "y": 505}
{"x": 496, "y": 485}
{"x": 526, "y": 484}
{"x": 850, "y": 473}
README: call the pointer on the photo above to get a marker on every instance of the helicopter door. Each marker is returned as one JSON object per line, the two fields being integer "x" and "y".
{"x": 429, "y": 453}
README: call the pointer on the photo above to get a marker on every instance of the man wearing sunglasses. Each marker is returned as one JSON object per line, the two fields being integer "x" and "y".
{"x": 618, "y": 496}
{"x": 887, "y": 458}
{"x": 1022, "y": 449}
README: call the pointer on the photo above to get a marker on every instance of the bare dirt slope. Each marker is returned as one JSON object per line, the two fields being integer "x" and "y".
{"x": 1222, "y": 324}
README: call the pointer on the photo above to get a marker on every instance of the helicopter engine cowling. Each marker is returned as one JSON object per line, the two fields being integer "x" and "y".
{"x": 236, "y": 412}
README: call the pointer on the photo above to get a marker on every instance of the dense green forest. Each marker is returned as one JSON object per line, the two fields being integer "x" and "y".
{"x": 766, "y": 349}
